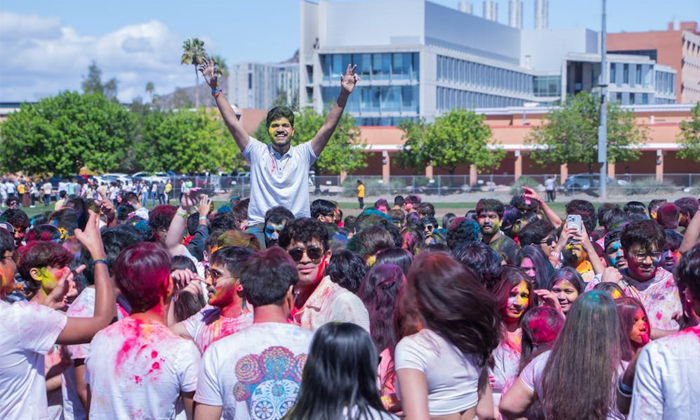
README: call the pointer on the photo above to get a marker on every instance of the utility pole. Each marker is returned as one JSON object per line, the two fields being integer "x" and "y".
{"x": 603, "y": 128}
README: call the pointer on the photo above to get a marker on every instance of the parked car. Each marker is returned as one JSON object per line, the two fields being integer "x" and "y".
{"x": 116, "y": 177}
{"x": 585, "y": 182}
{"x": 150, "y": 176}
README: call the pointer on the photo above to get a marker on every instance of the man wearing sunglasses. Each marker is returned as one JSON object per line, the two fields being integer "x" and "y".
{"x": 318, "y": 300}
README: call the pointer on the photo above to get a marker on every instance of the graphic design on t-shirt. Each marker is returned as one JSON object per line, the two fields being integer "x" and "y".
{"x": 269, "y": 382}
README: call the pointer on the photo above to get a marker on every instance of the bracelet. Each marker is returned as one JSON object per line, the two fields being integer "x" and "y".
{"x": 216, "y": 92}
{"x": 202, "y": 218}
{"x": 624, "y": 389}
{"x": 181, "y": 214}
{"x": 103, "y": 261}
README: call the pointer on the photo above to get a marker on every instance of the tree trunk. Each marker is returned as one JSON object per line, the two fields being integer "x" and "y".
{"x": 196, "y": 88}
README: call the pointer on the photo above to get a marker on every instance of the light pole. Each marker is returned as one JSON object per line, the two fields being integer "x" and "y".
{"x": 603, "y": 128}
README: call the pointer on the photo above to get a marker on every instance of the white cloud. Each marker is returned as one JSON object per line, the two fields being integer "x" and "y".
{"x": 40, "y": 57}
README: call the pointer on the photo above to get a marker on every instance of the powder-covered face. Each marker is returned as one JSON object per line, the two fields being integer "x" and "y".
{"x": 566, "y": 294}
{"x": 310, "y": 271}
{"x": 49, "y": 276}
{"x": 670, "y": 258}
{"x": 222, "y": 286}
{"x": 281, "y": 132}
{"x": 529, "y": 267}
{"x": 642, "y": 263}
{"x": 615, "y": 255}
{"x": 272, "y": 232}
{"x": 7, "y": 273}
{"x": 640, "y": 330}
{"x": 518, "y": 302}
{"x": 489, "y": 223}
{"x": 573, "y": 253}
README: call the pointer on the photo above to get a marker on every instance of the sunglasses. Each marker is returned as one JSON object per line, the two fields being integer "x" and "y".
{"x": 313, "y": 252}
{"x": 549, "y": 241}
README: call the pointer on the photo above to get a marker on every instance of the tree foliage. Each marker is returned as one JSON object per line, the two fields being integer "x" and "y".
{"x": 569, "y": 134}
{"x": 193, "y": 53}
{"x": 689, "y": 137}
{"x": 455, "y": 138}
{"x": 344, "y": 152}
{"x": 61, "y": 134}
{"x": 92, "y": 83}
{"x": 187, "y": 141}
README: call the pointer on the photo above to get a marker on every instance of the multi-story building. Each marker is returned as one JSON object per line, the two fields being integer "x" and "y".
{"x": 678, "y": 47}
{"x": 257, "y": 85}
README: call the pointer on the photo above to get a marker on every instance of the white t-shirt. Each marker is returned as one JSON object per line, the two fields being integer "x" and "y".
{"x": 666, "y": 380}
{"x": 453, "y": 378}
{"x": 207, "y": 326}
{"x": 255, "y": 373}
{"x": 137, "y": 369}
{"x": 277, "y": 180}
{"x": 506, "y": 364}
{"x": 531, "y": 376}
{"x": 331, "y": 302}
{"x": 27, "y": 332}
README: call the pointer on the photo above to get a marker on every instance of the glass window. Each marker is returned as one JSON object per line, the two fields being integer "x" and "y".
{"x": 409, "y": 98}
{"x": 613, "y": 73}
{"x": 364, "y": 65}
{"x": 638, "y": 74}
{"x": 645, "y": 98}
{"x": 390, "y": 98}
{"x": 377, "y": 71}
{"x": 626, "y": 74}
{"x": 632, "y": 101}
{"x": 399, "y": 69}
{"x": 416, "y": 67}
{"x": 386, "y": 65}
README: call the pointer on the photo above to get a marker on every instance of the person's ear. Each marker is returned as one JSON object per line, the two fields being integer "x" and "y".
{"x": 35, "y": 274}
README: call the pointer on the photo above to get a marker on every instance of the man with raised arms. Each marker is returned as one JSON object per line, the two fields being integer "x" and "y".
{"x": 279, "y": 171}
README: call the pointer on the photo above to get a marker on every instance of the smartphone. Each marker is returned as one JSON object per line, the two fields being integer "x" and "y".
{"x": 573, "y": 220}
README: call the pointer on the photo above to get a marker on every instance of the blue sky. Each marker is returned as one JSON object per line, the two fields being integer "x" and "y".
{"x": 46, "y": 45}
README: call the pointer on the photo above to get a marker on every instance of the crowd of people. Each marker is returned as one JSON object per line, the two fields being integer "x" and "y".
{"x": 277, "y": 307}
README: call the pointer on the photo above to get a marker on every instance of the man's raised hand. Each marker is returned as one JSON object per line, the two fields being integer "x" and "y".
{"x": 210, "y": 73}
{"x": 350, "y": 79}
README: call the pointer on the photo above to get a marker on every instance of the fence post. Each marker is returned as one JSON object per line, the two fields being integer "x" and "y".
{"x": 439, "y": 183}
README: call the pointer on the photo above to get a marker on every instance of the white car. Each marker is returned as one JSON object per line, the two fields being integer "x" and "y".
{"x": 150, "y": 176}
{"x": 116, "y": 177}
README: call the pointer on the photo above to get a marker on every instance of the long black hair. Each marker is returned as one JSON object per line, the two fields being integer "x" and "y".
{"x": 340, "y": 376}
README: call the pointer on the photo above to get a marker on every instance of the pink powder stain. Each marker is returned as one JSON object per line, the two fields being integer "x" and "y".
{"x": 137, "y": 379}
{"x": 154, "y": 354}
{"x": 659, "y": 316}
{"x": 132, "y": 332}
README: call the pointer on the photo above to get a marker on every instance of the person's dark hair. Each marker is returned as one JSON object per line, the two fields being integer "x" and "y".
{"x": 16, "y": 217}
{"x": 160, "y": 216}
{"x": 535, "y": 232}
{"x": 379, "y": 291}
{"x": 602, "y": 209}
{"x": 39, "y": 219}
{"x": 481, "y": 258}
{"x": 7, "y": 242}
{"x": 187, "y": 304}
{"x": 182, "y": 262}
{"x": 643, "y": 234}
{"x": 321, "y": 207}
{"x": 592, "y": 328}
{"x": 509, "y": 278}
{"x": 673, "y": 240}
{"x": 65, "y": 218}
{"x": 397, "y": 215}
{"x": 454, "y": 305}
{"x": 267, "y": 276}
{"x": 510, "y": 216}
{"x": 413, "y": 240}
{"x": 396, "y": 256}
{"x": 461, "y": 231}
{"x": 447, "y": 220}
{"x": 340, "y": 376}
{"x": 371, "y": 240}
{"x": 43, "y": 233}
{"x": 490, "y": 204}
{"x": 687, "y": 271}
{"x": 131, "y": 197}
{"x": 124, "y": 211}
{"x": 368, "y": 217}
{"x": 520, "y": 203}
{"x": 569, "y": 274}
{"x": 609, "y": 288}
{"x": 280, "y": 112}
{"x": 142, "y": 274}
{"x": 41, "y": 255}
{"x": 688, "y": 206}
{"x": 543, "y": 268}
{"x": 304, "y": 230}
{"x": 212, "y": 240}
{"x": 381, "y": 203}
{"x": 540, "y": 327}
{"x": 612, "y": 236}
{"x": 398, "y": 200}
{"x": 238, "y": 238}
{"x": 655, "y": 204}
{"x": 347, "y": 269}
{"x": 349, "y": 223}
{"x": 114, "y": 240}
{"x": 667, "y": 216}
{"x": 413, "y": 221}
{"x": 634, "y": 207}
{"x": 223, "y": 222}
{"x": 612, "y": 218}
{"x": 192, "y": 223}
{"x": 426, "y": 210}
{"x": 239, "y": 212}
{"x": 231, "y": 257}
{"x": 278, "y": 214}
{"x": 586, "y": 210}
{"x": 413, "y": 199}
{"x": 627, "y": 308}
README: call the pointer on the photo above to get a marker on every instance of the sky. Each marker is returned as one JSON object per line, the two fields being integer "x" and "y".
{"x": 46, "y": 46}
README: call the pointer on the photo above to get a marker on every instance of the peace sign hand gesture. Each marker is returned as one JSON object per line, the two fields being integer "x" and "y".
{"x": 350, "y": 79}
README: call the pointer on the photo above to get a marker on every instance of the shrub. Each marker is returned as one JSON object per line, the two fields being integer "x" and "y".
{"x": 523, "y": 181}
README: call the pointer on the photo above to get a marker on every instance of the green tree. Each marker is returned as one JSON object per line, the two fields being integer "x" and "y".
{"x": 92, "y": 83}
{"x": 150, "y": 90}
{"x": 456, "y": 138}
{"x": 62, "y": 134}
{"x": 344, "y": 152}
{"x": 689, "y": 137}
{"x": 569, "y": 134}
{"x": 281, "y": 99}
{"x": 193, "y": 53}
{"x": 187, "y": 141}
{"x": 221, "y": 66}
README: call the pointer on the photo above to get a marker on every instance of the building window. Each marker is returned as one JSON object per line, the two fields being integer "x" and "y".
{"x": 626, "y": 74}
{"x": 613, "y": 73}
{"x": 645, "y": 98}
{"x": 638, "y": 74}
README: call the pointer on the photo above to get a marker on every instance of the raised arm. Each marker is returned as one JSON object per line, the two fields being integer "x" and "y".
{"x": 176, "y": 230}
{"x": 690, "y": 236}
{"x": 554, "y": 219}
{"x": 347, "y": 84}
{"x": 211, "y": 75}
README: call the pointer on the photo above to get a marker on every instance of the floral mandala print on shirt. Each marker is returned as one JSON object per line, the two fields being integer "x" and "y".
{"x": 269, "y": 382}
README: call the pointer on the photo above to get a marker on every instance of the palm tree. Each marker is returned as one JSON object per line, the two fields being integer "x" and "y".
{"x": 193, "y": 52}
{"x": 220, "y": 63}
{"x": 150, "y": 88}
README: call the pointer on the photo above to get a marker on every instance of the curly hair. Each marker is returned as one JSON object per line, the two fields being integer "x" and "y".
{"x": 41, "y": 254}
{"x": 304, "y": 230}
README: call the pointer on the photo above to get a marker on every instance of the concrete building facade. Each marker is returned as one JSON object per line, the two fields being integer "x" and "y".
{"x": 257, "y": 85}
